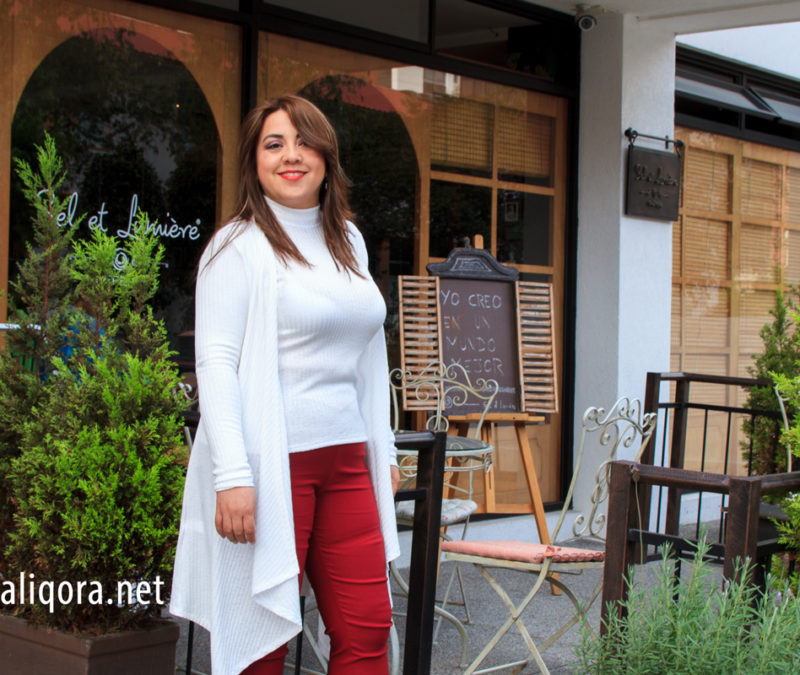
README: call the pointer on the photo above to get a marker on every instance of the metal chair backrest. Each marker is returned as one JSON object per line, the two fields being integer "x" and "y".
{"x": 437, "y": 390}
{"x": 624, "y": 428}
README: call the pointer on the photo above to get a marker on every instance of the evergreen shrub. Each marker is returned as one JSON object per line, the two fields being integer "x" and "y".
{"x": 92, "y": 460}
{"x": 766, "y": 449}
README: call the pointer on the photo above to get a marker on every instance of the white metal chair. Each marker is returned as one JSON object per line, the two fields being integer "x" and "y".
{"x": 624, "y": 427}
{"x": 437, "y": 390}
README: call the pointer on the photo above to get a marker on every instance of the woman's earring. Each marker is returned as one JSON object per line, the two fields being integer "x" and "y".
{"x": 324, "y": 183}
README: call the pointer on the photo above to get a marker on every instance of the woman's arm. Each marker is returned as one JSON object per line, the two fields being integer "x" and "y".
{"x": 220, "y": 324}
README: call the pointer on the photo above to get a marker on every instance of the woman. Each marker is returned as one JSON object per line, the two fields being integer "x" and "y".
{"x": 293, "y": 384}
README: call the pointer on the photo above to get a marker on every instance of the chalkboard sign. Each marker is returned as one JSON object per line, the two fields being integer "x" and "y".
{"x": 473, "y": 311}
{"x": 479, "y": 320}
{"x": 477, "y": 301}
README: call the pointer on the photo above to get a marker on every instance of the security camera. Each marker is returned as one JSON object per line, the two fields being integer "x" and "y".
{"x": 585, "y": 21}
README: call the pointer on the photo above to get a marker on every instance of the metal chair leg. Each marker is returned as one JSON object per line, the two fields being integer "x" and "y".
{"x": 189, "y": 646}
{"x": 298, "y": 656}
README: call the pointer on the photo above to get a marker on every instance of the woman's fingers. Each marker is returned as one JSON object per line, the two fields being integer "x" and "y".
{"x": 235, "y": 517}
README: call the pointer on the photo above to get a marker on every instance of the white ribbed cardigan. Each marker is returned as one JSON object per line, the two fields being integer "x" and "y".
{"x": 247, "y": 595}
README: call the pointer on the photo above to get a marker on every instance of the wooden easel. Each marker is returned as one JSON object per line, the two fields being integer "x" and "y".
{"x": 519, "y": 420}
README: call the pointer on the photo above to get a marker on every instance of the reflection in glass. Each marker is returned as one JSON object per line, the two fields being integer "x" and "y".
{"x": 523, "y": 228}
{"x": 378, "y": 158}
{"x": 408, "y": 19}
{"x": 135, "y": 131}
{"x": 476, "y": 32}
{"x": 458, "y": 213}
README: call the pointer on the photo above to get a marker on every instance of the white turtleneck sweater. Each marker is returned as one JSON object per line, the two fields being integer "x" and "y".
{"x": 326, "y": 318}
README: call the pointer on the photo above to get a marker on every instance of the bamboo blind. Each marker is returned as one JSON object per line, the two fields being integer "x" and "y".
{"x": 707, "y": 251}
{"x": 524, "y": 143}
{"x": 737, "y": 241}
{"x": 761, "y": 189}
{"x": 792, "y": 195}
{"x": 792, "y": 257}
{"x": 461, "y": 133}
{"x": 759, "y": 253}
{"x": 707, "y": 182}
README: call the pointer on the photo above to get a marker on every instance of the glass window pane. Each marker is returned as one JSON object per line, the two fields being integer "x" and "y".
{"x": 407, "y": 19}
{"x": 523, "y": 228}
{"x": 136, "y": 132}
{"x": 475, "y": 32}
{"x": 458, "y": 213}
{"x": 450, "y": 143}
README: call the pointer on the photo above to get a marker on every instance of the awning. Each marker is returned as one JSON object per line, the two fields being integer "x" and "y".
{"x": 788, "y": 110}
{"x": 733, "y": 97}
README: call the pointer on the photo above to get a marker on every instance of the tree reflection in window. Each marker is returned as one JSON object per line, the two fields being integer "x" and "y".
{"x": 133, "y": 128}
{"x": 379, "y": 159}
{"x": 458, "y": 213}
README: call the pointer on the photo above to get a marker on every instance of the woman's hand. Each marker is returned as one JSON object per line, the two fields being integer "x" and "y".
{"x": 235, "y": 518}
{"x": 395, "y": 478}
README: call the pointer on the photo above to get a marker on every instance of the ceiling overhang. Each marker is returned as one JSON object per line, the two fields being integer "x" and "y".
{"x": 689, "y": 16}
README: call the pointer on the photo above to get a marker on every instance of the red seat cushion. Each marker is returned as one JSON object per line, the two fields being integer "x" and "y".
{"x": 522, "y": 551}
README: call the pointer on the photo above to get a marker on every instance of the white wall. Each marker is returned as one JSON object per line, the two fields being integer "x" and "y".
{"x": 624, "y": 263}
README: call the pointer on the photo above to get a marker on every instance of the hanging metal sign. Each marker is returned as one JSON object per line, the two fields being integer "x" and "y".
{"x": 653, "y": 182}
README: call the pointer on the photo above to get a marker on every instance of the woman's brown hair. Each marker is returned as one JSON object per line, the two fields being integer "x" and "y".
{"x": 317, "y": 133}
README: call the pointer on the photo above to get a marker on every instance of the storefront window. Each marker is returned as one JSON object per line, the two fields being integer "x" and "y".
{"x": 125, "y": 103}
{"x": 436, "y": 158}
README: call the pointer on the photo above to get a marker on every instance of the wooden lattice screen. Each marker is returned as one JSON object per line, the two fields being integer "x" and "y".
{"x": 536, "y": 348}
{"x": 420, "y": 331}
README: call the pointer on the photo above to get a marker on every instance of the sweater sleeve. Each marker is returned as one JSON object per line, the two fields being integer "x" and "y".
{"x": 377, "y": 368}
{"x": 220, "y": 321}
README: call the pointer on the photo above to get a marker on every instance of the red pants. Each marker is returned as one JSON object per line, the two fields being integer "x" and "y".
{"x": 340, "y": 548}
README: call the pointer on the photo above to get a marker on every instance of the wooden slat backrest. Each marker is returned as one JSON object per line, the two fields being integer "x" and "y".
{"x": 536, "y": 347}
{"x": 420, "y": 331}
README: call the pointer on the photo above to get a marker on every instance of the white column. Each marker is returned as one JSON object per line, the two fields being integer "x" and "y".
{"x": 624, "y": 264}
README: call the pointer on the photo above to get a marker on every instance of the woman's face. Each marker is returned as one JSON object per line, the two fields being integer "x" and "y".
{"x": 289, "y": 171}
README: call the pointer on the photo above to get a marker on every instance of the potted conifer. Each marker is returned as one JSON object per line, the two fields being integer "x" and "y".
{"x": 765, "y": 449}
{"x": 91, "y": 454}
